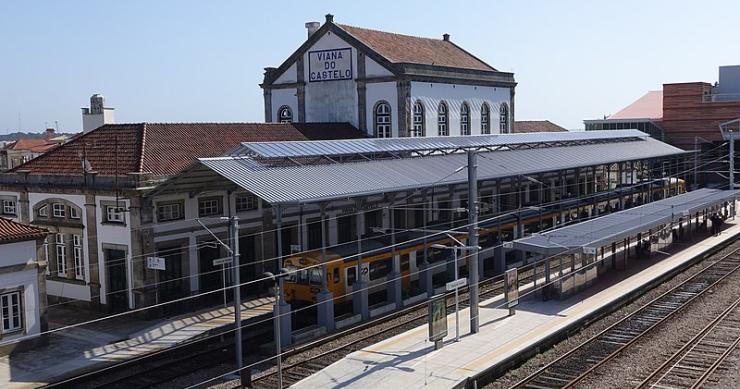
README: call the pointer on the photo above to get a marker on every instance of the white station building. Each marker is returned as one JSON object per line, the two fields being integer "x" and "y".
{"x": 388, "y": 85}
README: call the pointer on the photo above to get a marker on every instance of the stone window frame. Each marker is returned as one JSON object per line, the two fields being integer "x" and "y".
{"x": 417, "y": 126}
{"x": 44, "y": 210}
{"x": 168, "y": 203}
{"x": 443, "y": 119}
{"x": 503, "y": 118}
{"x": 465, "y": 119}
{"x": 283, "y": 118}
{"x": 485, "y": 119}
{"x": 249, "y": 198}
{"x": 383, "y": 121}
{"x": 219, "y": 211}
{"x": 105, "y": 205}
{"x": 20, "y": 291}
{"x": 9, "y": 206}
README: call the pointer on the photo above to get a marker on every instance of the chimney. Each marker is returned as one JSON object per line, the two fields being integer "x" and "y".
{"x": 312, "y": 27}
{"x": 97, "y": 114}
{"x": 446, "y": 37}
{"x": 329, "y": 18}
{"x": 49, "y": 133}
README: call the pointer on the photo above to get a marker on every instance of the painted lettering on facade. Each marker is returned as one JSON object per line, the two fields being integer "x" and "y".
{"x": 330, "y": 65}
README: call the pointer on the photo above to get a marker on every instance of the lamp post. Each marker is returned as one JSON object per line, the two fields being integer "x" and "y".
{"x": 278, "y": 281}
{"x": 457, "y": 287}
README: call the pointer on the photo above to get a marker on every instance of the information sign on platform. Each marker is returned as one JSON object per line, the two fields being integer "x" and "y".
{"x": 222, "y": 261}
{"x": 155, "y": 263}
{"x": 511, "y": 278}
{"x": 459, "y": 283}
{"x": 437, "y": 318}
{"x": 589, "y": 250}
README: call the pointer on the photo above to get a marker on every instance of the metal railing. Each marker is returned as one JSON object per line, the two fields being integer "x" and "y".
{"x": 720, "y": 97}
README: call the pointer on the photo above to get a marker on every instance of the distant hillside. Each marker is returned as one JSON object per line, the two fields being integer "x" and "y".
{"x": 18, "y": 135}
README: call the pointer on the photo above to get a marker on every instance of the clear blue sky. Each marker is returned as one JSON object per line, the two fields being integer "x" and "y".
{"x": 184, "y": 61}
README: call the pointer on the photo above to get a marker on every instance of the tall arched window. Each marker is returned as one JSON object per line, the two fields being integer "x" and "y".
{"x": 285, "y": 115}
{"x": 383, "y": 120}
{"x": 442, "y": 115}
{"x": 485, "y": 115}
{"x": 504, "y": 118}
{"x": 417, "y": 129}
{"x": 464, "y": 119}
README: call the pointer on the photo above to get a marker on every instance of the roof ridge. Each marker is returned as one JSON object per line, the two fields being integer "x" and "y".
{"x": 142, "y": 149}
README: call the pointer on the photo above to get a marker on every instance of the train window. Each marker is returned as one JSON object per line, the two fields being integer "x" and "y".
{"x": 314, "y": 276}
{"x": 380, "y": 269}
{"x": 336, "y": 274}
{"x": 351, "y": 275}
{"x": 292, "y": 274}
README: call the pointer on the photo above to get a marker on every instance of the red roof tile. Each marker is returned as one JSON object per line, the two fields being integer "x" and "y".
{"x": 397, "y": 48}
{"x": 11, "y": 231}
{"x": 165, "y": 149}
{"x": 525, "y": 126}
{"x": 33, "y": 144}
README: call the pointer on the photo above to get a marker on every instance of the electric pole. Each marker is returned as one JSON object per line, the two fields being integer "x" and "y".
{"x": 473, "y": 239}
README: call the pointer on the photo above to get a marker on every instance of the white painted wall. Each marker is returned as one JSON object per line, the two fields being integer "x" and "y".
{"x": 290, "y": 76}
{"x": 18, "y": 253}
{"x": 374, "y": 69}
{"x": 114, "y": 234}
{"x": 281, "y": 97}
{"x": 431, "y": 94}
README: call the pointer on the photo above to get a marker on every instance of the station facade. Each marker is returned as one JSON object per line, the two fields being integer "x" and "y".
{"x": 389, "y": 85}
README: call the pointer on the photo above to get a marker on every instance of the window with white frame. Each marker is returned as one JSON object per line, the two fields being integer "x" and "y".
{"x": 74, "y": 213}
{"x": 485, "y": 114}
{"x": 114, "y": 214}
{"x": 11, "y": 312}
{"x": 417, "y": 128}
{"x": 245, "y": 202}
{"x": 464, "y": 119}
{"x": 61, "y": 249}
{"x": 442, "y": 115}
{"x": 383, "y": 120}
{"x": 285, "y": 115}
{"x": 79, "y": 260}
{"x": 210, "y": 206}
{"x": 9, "y": 207}
{"x": 170, "y": 210}
{"x": 58, "y": 210}
{"x": 504, "y": 118}
{"x": 44, "y": 211}
{"x": 46, "y": 254}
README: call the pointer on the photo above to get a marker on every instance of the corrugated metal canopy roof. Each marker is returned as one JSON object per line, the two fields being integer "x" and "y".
{"x": 312, "y": 183}
{"x": 395, "y": 145}
{"x": 614, "y": 227}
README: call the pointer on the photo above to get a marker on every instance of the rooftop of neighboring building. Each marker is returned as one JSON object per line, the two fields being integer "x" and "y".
{"x": 11, "y": 231}
{"x": 526, "y": 126}
{"x": 649, "y": 106}
{"x": 34, "y": 145}
{"x": 164, "y": 149}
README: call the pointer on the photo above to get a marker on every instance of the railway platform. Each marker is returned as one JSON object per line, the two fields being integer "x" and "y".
{"x": 410, "y": 360}
{"x": 76, "y": 350}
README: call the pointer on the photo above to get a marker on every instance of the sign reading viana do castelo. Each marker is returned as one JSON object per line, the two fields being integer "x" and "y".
{"x": 330, "y": 65}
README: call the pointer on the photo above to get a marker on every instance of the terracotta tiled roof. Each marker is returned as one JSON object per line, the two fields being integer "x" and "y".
{"x": 649, "y": 106}
{"x": 397, "y": 48}
{"x": 11, "y": 231}
{"x": 165, "y": 149}
{"x": 536, "y": 126}
{"x": 33, "y": 144}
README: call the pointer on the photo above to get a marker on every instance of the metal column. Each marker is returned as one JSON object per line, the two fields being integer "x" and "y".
{"x": 473, "y": 239}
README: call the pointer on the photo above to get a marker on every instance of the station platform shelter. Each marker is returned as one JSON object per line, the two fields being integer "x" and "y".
{"x": 411, "y": 360}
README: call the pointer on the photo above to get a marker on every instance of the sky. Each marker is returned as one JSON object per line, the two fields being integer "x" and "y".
{"x": 202, "y": 61}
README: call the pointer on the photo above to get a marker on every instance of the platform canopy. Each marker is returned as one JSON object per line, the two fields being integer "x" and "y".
{"x": 614, "y": 227}
{"x": 341, "y": 180}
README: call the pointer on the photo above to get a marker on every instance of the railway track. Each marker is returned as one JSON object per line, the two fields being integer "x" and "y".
{"x": 310, "y": 364}
{"x": 572, "y": 367}
{"x": 694, "y": 363}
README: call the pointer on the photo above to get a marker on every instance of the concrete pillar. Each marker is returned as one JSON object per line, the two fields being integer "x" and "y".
{"x": 324, "y": 297}
{"x": 360, "y": 302}
{"x": 499, "y": 260}
{"x": 425, "y": 273}
{"x": 395, "y": 285}
{"x": 286, "y": 324}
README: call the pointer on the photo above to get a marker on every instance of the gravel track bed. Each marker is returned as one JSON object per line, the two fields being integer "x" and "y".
{"x": 638, "y": 361}
{"x": 728, "y": 373}
{"x": 515, "y": 375}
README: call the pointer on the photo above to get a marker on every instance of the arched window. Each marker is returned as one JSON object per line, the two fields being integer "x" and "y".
{"x": 383, "y": 120}
{"x": 285, "y": 115}
{"x": 442, "y": 115}
{"x": 464, "y": 119}
{"x": 504, "y": 118}
{"x": 417, "y": 129}
{"x": 485, "y": 114}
